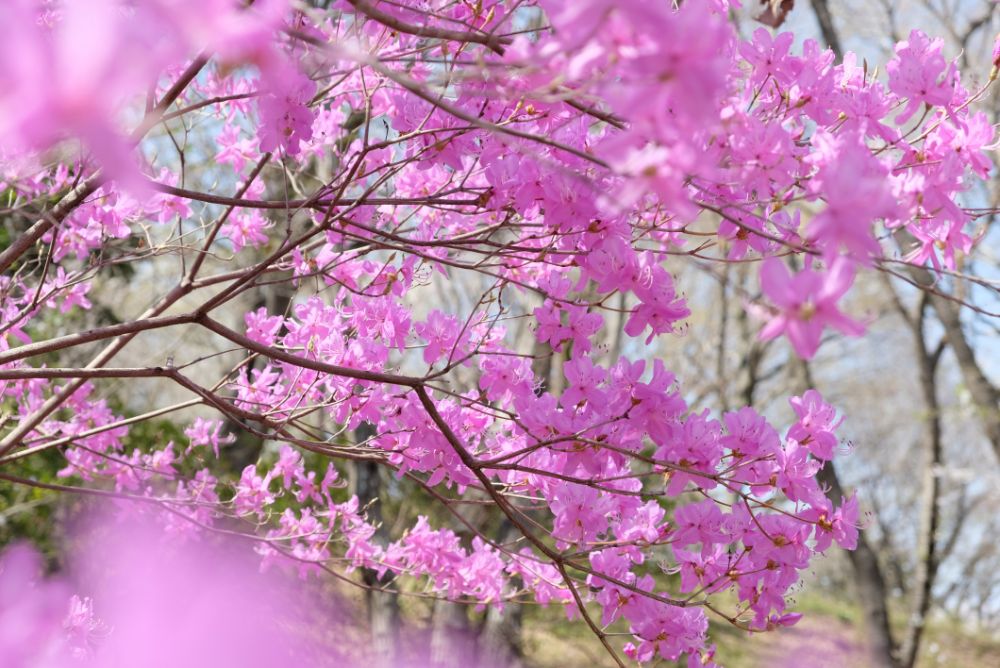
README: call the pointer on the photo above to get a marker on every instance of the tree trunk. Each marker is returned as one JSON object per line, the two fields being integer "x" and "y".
{"x": 451, "y": 641}
{"x": 984, "y": 395}
{"x": 869, "y": 581}
{"x": 870, "y": 586}
{"x": 825, "y": 20}
{"x": 383, "y": 607}
{"x": 500, "y": 642}
{"x": 930, "y": 514}
{"x": 245, "y": 450}
{"x": 383, "y": 620}
{"x": 500, "y": 639}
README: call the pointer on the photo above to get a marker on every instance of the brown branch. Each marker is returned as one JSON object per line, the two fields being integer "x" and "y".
{"x": 492, "y": 42}
{"x": 90, "y": 335}
{"x": 313, "y": 203}
{"x": 315, "y": 365}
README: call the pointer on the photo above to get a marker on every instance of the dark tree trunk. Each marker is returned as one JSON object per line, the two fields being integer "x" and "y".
{"x": 451, "y": 639}
{"x": 826, "y": 26}
{"x": 501, "y": 642}
{"x": 245, "y": 450}
{"x": 930, "y": 512}
{"x": 383, "y": 607}
{"x": 869, "y": 580}
{"x": 869, "y": 585}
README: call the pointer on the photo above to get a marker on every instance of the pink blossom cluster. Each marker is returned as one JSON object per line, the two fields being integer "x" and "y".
{"x": 560, "y": 175}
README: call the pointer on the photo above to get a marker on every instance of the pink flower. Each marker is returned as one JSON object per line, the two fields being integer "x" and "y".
{"x": 580, "y": 513}
{"x": 285, "y": 118}
{"x": 703, "y": 568}
{"x": 261, "y": 327}
{"x": 920, "y": 73}
{"x": 855, "y": 187}
{"x": 749, "y": 434}
{"x": 699, "y": 523}
{"x": 806, "y": 303}
{"x": 440, "y": 331}
{"x": 840, "y": 525}
{"x": 66, "y": 79}
{"x": 581, "y": 325}
{"x": 73, "y": 292}
{"x": 33, "y": 609}
{"x": 796, "y": 474}
{"x": 252, "y": 493}
{"x": 208, "y": 432}
{"x": 769, "y": 56}
{"x": 938, "y": 235}
{"x": 82, "y": 627}
{"x": 289, "y": 465}
{"x": 695, "y": 445}
{"x": 660, "y": 306}
{"x": 817, "y": 422}
{"x": 246, "y": 229}
{"x": 232, "y": 149}
{"x": 585, "y": 380}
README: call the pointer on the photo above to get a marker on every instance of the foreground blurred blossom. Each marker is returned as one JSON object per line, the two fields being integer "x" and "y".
{"x": 31, "y": 612}
{"x": 156, "y": 602}
{"x": 56, "y": 61}
{"x": 72, "y": 70}
{"x": 134, "y": 595}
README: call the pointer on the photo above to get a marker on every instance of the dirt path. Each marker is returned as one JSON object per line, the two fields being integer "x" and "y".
{"x": 815, "y": 642}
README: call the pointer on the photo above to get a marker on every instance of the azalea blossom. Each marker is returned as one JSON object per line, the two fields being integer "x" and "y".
{"x": 806, "y": 303}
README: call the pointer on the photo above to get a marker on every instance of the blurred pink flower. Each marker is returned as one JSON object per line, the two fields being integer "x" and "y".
{"x": 807, "y": 303}
{"x": 158, "y": 602}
